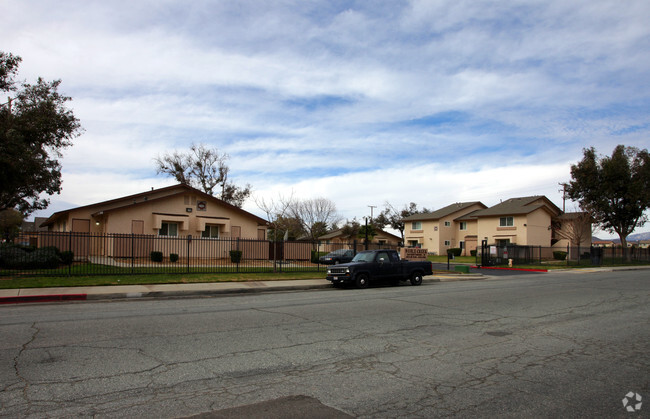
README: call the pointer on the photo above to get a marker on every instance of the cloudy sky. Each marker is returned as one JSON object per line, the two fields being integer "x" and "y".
{"x": 364, "y": 103}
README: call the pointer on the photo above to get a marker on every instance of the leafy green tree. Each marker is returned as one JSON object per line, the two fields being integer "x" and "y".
{"x": 370, "y": 230}
{"x": 350, "y": 229}
{"x": 35, "y": 126}
{"x": 393, "y": 217}
{"x": 615, "y": 190}
{"x": 206, "y": 169}
{"x": 353, "y": 230}
{"x": 10, "y": 221}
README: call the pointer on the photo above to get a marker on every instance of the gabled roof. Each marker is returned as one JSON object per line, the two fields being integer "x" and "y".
{"x": 442, "y": 212}
{"x": 519, "y": 206}
{"x": 339, "y": 232}
{"x": 146, "y": 197}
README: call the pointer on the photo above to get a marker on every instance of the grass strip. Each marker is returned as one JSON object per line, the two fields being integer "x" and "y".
{"x": 144, "y": 279}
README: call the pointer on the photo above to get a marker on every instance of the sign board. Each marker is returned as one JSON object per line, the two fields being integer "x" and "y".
{"x": 413, "y": 253}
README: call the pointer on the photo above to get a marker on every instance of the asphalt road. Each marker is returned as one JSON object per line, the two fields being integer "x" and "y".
{"x": 551, "y": 345}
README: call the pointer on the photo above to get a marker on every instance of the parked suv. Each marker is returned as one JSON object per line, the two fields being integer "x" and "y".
{"x": 336, "y": 257}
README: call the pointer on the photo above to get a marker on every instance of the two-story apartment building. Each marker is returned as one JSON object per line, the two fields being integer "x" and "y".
{"x": 448, "y": 227}
{"x": 526, "y": 221}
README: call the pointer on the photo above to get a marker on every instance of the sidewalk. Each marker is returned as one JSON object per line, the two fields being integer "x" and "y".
{"x": 30, "y": 295}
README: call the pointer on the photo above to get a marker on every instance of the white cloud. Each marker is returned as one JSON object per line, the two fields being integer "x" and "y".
{"x": 431, "y": 102}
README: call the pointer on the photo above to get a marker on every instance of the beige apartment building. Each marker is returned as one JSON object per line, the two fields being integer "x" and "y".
{"x": 126, "y": 226}
{"x": 526, "y": 221}
{"x": 446, "y": 228}
{"x": 174, "y": 211}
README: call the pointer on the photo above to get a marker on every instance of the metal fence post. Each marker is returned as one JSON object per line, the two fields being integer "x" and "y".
{"x": 70, "y": 249}
{"x": 189, "y": 241}
{"x": 132, "y": 252}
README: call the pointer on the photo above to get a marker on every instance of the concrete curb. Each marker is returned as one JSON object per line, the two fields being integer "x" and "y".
{"x": 126, "y": 292}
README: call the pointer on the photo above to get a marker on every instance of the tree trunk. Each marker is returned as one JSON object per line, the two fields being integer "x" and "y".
{"x": 625, "y": 250}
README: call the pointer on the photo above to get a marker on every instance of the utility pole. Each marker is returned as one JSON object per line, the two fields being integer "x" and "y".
{"x": 371, "y": 208}
{"x": 563, "y": 190}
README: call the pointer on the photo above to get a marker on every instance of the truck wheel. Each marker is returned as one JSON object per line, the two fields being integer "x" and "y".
{"x": 361, "y": 280}
{"x": 416, "y": 278}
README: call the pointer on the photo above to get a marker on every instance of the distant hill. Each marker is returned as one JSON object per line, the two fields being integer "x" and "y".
{"x": 631, "y": 238}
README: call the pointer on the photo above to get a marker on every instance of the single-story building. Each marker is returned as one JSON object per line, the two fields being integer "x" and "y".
{"x": 174, "y": 211}
{"x": 337, "y": 240}
{"x": 157, "y": 220}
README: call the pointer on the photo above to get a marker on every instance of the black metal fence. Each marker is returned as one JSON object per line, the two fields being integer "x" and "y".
{"x": 494, "y": 255}
{"x": 68, "y": 253}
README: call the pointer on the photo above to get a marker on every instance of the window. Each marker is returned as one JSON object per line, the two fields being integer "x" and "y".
{"x": 447, "y": 243}
{"x": 413, "y": 243}
{"x": 416, "y": 225}
{"x": 168, "y": 229}
{"x": 210, "y": 232}
{"x": 463, "y": 225}
{"x": 447, "y": 223}
{"x": 506, "y": 221}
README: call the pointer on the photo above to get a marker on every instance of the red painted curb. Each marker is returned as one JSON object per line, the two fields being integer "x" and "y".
{"x": 511, "y": 269}
{"x": 42, "y": 298}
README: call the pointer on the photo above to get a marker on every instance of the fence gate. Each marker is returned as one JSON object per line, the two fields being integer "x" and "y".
{"x": 276, "y": 250}
{"x": 483, "y": 254}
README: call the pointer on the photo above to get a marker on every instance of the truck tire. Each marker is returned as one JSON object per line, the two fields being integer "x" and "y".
{"x": 416, "y": 278}
{"x": 361, "y": 281}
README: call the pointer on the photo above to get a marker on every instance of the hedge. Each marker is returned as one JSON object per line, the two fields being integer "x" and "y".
{"x": 16, "y": 257}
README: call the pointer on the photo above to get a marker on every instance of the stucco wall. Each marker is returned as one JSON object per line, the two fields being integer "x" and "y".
{"x": 167, "y": 209}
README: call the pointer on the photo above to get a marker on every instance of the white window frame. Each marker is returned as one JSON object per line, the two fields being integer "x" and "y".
{"x": 506, "y": 222}
{"x": 416, "y": 225}
{"x": 463, "y": 225}
{"x": 447, "y": 223}
{"x": 168, "y": 232}
{"x": 447, "y": 242}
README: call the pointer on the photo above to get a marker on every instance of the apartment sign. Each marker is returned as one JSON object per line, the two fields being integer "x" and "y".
{"x": 413, "y": 253}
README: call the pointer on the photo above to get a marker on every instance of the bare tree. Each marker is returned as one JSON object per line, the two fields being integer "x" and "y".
{"x": 576, "y": 227}
{"x": 316, "y": 215}
{"x": 203, "y": 168}
{"x": 277, "y": 212}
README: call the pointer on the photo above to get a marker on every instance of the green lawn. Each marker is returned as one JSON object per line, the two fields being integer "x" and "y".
{"x": 458, "y": 259}
{"x": 84, "y": 281}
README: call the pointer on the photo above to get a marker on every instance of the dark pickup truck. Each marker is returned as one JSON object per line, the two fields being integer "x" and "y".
{"x": 371, "y": 265}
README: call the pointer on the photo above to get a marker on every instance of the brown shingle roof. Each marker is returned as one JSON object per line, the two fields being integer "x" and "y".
{"x": 515, "y": 206}
{"x": 442, "y": 212}
{"x": 135, "y": 199}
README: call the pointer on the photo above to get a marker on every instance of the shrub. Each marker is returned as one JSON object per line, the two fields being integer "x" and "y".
{"x": 15, "y": 257}
{"x": 315, "y": 256}
{"x": 173, "y": 257}
{"x": 67, "y": 257}
{"x": 559, "y": 255}
{"x": 455, "y": 251}
{"x": 472, "y": 253}
{"x": 156, "y": 256}
{"x": 235, "y": 256}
